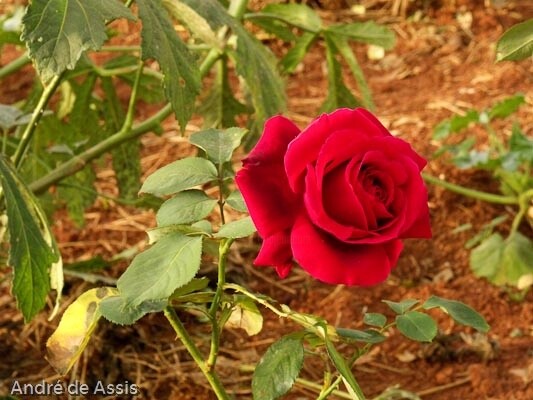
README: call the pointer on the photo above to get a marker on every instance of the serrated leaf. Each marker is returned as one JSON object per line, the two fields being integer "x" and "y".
{"x": 236, "y": 201}
{"x": 180, "y": 175}
{"x": 402, "y": 306}
{"x": 347, "y": 53}
{"x": 117, "y": 310}
{"x": 78, "y": 192}
{"x": 296, "y": 54}
{"x": 460, "y": 312}
{"x": 161, "y": 42}
{"x": 195, "y": 23}
{"x": 272, "y": 26}
{"x": 507, "y": 106}
{"x": 417, "y": 326}
{"x": 245, "y": 315}
{"x": 455, "y": 124}
{"x": 298, "y": 15}
{"x": 218, "y": 144}
{"x": 254, "y": 62}
{"x": 57, "y": 32}
{"x": 367, "y": 32}
{"x": 237, "y": 229}
{"x": 339, "y": 95}
{"x": 521, "y": 145}
{"x": 194, "y": 285}
{"x": 485, "y": 258}
{"x": 366, "y": 336}
{"x": 516, "y": 43}
{"x": 185, "y": 207}
{"x": 78, "y": 322}
{"x": 278, "y": 369}
{"x": 196, "y": 229}
{"x": 375, "y": 319}
{"x": 30, "y": 256}
{"x": 155, "y": 273}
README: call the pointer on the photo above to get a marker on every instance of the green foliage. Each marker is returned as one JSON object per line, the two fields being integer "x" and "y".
{"x": 161, "y": 42}
{"x": 503, "y": 261}
{"x": 417, "y": 326}
{"x": 185, "y": 207}
{"x": 30, "y": 255}
{"x": 278, "y": 369}
{"x": 155, "y": 273}
{"x": 375, "y": 319}
{"x": 218, "y": 144}
{"x": 180, "y": 175}
{"x": 516, "y": 43}
{"x": 57, "y": 32}
{"x": 460, "y": 312}
{"x": 236, "y": 229}
{"x": 402, "y": 306}
{"x": 366, "y": 336}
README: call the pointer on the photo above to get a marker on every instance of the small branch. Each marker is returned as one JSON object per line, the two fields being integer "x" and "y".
{"x": 14, "y": 65}
{"x": 476, "y": 194}
{"x": 523, "y": 201}
{"x": 183, "y": 335}
{"x": 35, "y": 117}
{"x": 79, "y": 161}
{"x": 216, "y": 329}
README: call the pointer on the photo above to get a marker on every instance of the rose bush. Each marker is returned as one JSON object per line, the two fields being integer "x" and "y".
{"x": 337, "y": 197}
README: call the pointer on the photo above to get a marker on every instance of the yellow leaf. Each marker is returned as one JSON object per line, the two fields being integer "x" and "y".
{"x": 70, "y": 338}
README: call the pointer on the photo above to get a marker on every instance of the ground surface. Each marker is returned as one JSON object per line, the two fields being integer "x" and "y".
{"x": 437, "y": 68}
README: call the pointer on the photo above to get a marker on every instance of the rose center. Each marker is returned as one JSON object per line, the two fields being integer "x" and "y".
{"x": 374, "y": 187}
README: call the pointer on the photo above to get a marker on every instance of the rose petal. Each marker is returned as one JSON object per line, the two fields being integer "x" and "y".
{"x": 306, "y": 147}
{"x": 263, "y": 182}
{"x": 334, "y": 262}
{"x": 275, "y": 250}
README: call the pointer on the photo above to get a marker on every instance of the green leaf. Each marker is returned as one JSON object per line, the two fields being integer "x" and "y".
{"x": 30, "y": 255}
{"x": 194, "y": 285}
{"x": 237, "y": 229}
{"x": 218, "y": 144}
{"x": 236, "y": 201}
{"x": 245, "y": 315}
{"x": 180, "y": 175}
{"x": 417, "y": 326}
{"x": 503, "y": 262}
{"x": 375, "y": 319}
{"x": 521, "y": 145}
{"x": 338, "y": 94}
{"x": 117, "y": 310}
{"x": 507, "y": 106}
{"x": 298, "y": 15}
{"x": 78, "y": 192}
{"x": 155, "y": 273}
{"x": 185, "y": 207}
{"x": 367, "y": 32}
{"x": 516, "y": 43}
{"x": 402, "y": 306}
{"x": 344, "y": 369}
{"x": 346, "y": 51}
{"x": 455, "y": 124}
{"x": 195, "y": 23}
{"x": 65, "y": 345}
{"x": 296, "y": 54}
{"x": 57, "y": 32}
{"x": 366, "y": 336}
{"x": 278, "y": 369}
{"x": 272, "y": 26}
{"x": 460, "y": 312}
{"x": 161, "y": 42}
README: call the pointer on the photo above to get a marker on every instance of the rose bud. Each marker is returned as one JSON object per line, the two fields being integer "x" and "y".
{"x": 337, "y": 197}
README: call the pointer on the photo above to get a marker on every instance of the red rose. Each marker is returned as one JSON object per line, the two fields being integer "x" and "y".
{"x": 337, "y": 197}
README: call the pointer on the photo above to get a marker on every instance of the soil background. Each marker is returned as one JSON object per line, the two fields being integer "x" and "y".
{"x": 442, "y": 64}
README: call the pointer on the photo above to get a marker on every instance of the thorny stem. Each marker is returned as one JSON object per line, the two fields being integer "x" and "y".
{"x": 79, "y": 161}
{"x": 35, "y": 117}
{"x": 221, "y": 282}
{"x": 476, "y": 194}
{"x": 181, "y": 332}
